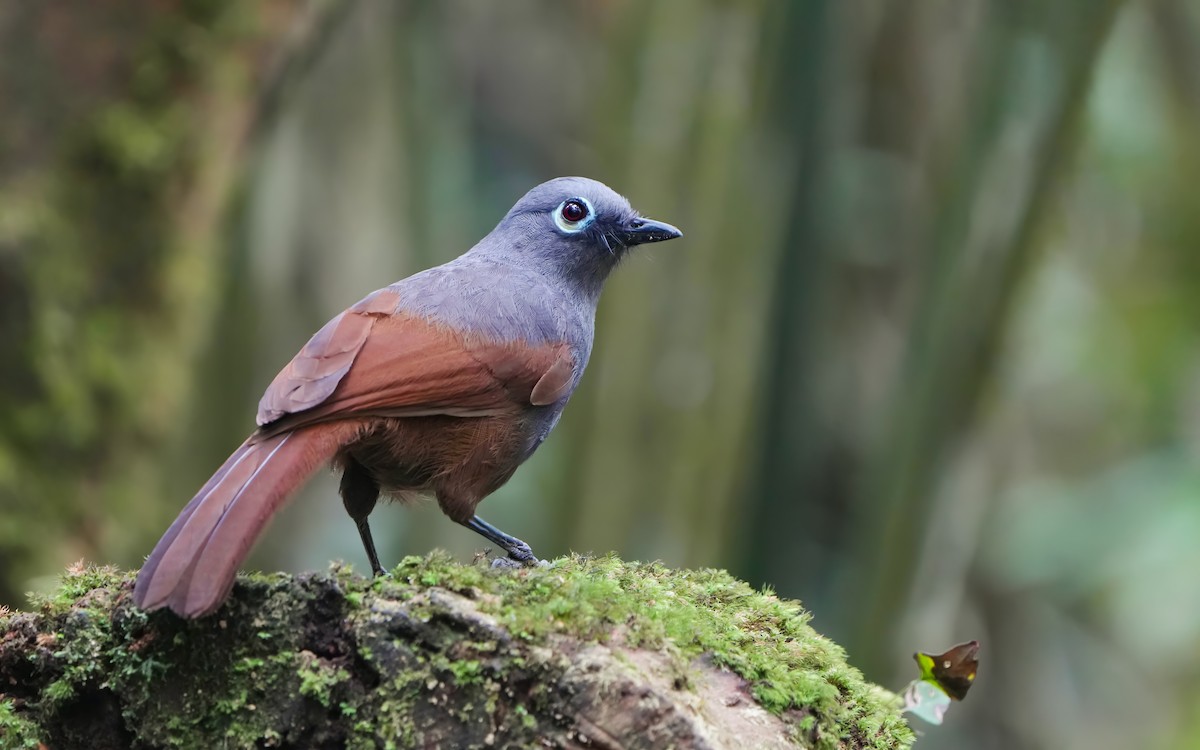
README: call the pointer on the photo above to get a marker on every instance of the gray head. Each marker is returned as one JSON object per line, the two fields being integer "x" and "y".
{"x": 573, "y": 227}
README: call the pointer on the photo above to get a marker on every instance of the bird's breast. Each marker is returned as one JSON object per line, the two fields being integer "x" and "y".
{"x": 500, "y": 303}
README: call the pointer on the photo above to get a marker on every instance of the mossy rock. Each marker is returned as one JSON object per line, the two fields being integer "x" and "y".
{"x": 581, "y": 653}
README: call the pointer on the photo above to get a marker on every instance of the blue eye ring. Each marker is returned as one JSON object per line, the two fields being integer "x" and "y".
{"x": 574, "y": 215}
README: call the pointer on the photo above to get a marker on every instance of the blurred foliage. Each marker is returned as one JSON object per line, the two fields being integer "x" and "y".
{"x": 116, "y": 162}
{"x": 926, "y": 357}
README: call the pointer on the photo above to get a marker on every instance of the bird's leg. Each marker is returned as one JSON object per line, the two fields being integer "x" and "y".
{"x": 360, "y": 492}
{"x": 516, "y": 549}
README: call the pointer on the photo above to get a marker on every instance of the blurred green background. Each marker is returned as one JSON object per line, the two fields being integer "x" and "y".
{"x": 928, "y": 357}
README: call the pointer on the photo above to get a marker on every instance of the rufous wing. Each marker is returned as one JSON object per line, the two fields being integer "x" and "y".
{"x": 555, "y": 383}
{"x": 315, "y": 372}
{"x": 377, "y": 360}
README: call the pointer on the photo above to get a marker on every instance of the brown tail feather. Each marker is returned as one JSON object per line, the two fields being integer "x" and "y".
{"x": 192, "y": 568}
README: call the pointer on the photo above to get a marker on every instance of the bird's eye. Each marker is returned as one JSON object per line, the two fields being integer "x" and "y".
{"x": 573, "y": 214}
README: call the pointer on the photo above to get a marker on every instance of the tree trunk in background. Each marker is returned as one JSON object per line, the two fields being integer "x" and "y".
{"x": 123, "y": 132}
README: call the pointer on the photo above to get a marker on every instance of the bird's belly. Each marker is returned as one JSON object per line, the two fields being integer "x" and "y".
{"x": 466, "y": 458}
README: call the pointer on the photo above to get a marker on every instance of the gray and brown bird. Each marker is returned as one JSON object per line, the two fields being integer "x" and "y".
{"x": 442, "y": 383}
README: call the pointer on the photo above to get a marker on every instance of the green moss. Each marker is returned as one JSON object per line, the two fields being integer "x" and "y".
{"x": 74, "y": 584}
{"x": 225, "y": 680}
{"x": 683, "y": 613}
{"x": 318, "y": 678}
{"x": 59, "y": 691}
{"x": 16, "y": 733}
{"x": 527, "y": 719}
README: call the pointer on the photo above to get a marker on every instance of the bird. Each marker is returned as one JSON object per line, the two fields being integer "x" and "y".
{"x": 440, "y": 384}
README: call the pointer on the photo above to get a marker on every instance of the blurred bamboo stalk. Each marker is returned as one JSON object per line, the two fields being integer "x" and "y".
{"x": 986, "y": 248}
{"x": 661, "y": 433}
{"x": 889, "y": 313}
{"x": 1178, "y": 31}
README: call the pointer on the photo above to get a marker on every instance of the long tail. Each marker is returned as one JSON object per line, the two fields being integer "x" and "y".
{"x": 192, "y": 568}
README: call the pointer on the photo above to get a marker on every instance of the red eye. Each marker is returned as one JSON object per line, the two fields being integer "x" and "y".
{"x": 574, "y": 211}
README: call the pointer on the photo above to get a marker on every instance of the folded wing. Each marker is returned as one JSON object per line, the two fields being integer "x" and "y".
{"x": 377, "y": 360}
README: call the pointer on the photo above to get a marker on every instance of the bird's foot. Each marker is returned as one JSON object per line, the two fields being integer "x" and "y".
{"x": 507, "y": 563}
{"x": 519, "y": 556}
{"x": 521, "y": 553}
{"x": 503, "y": 563}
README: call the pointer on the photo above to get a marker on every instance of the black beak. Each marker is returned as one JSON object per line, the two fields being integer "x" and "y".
{"x": 638, "y": 231}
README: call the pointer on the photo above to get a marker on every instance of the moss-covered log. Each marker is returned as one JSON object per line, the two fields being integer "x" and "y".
{"x": 580, "y": 653}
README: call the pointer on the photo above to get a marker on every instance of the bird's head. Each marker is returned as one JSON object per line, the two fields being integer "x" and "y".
{"x": 575, "y": 227}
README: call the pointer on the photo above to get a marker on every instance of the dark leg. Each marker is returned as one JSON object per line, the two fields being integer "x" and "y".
{"x": 360, "y": 491}
{"x": 516, "y": 549}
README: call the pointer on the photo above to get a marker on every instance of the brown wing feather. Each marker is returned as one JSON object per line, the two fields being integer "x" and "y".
{"x": 556, "y": 381}
{"x": 315, "y": 372}
{"x": 373, "y": 361}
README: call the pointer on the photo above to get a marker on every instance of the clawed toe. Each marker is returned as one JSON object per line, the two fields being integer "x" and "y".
{"x": 522, "y": 553}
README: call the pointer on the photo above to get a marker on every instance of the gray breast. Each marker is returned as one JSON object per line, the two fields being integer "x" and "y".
{"x": 501, "y": 302}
